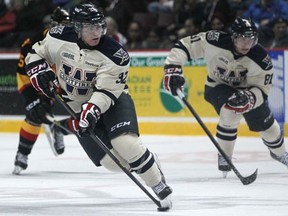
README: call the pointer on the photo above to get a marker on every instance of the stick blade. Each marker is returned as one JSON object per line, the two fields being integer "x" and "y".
{"x": 249, "y": 179}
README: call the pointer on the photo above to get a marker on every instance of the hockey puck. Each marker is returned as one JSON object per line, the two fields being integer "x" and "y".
{"x": 163, "y": 209}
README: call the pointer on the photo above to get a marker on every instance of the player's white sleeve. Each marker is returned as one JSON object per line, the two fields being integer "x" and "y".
{"x": 111, "y": 79}
{"x": 261, "y": 82}
{"x": 42, "y": 51}
{"x": 188, "y": 48}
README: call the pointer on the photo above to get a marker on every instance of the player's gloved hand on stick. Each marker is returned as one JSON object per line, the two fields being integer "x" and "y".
{"x": 241, "y": 102}
{"x": 89, "y": 116}
{"x": 42, "y": 77}
{"x": 173, "y": 78}
{"x": 73, "y": 125}
{"x": 38, "y": 109}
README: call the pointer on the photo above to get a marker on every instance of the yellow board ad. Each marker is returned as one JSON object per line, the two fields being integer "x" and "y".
{"x": 145, "y": 86}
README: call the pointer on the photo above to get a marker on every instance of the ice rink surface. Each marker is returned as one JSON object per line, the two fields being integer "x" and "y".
{"x": 70, "y": 184}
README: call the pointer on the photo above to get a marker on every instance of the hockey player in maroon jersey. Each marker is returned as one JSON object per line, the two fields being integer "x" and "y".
{"x": 37, "y": 105}
{"x": 238, "y": 83}
{"x": 92, "y": 70}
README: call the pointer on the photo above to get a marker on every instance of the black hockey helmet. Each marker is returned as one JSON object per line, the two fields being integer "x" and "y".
{"x": 60, "y": 16}
{"x": 87, "y": 14}
{"x": 242, "y": 27}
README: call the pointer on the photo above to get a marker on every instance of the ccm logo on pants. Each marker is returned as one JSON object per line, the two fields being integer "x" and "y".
{"x": 119, "y": 125}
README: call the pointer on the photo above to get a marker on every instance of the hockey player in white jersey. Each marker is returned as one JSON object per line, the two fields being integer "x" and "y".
{"x": 92, "y": 71}
{"x": 37, "y": 106}
{"x": 238, "y": 83}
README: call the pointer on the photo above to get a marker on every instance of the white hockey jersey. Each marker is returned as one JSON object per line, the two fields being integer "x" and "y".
{"x": 95, "y": 74}
{"x": 223, "y": 65}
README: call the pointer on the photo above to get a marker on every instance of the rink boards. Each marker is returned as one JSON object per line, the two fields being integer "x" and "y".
{"x": 159, "y": 112}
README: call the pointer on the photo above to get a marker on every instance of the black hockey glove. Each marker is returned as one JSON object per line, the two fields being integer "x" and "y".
{"x": 89, "y": 116}
{"x": 38, "y": 109}
{"x": 42, "y": 77}
{"x": 241, "y": 102}
{"x": 173, "y": 78}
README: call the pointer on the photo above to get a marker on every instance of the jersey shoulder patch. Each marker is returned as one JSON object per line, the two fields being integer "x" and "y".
{"x": 63, "y": 33}
{"x": 260, "y": 56}
{"x": 114, "y": 51}
{"x": 219, "y": 39}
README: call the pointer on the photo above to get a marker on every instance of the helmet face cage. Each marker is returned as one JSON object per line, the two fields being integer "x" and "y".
{"x": 60, "y": 16}
{"x": 244, "y": 28}
{"x": 87, "y": 14}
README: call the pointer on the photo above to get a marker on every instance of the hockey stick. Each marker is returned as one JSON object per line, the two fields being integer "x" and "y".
{"x": 162, "y": 204}
{"x": 245, "y": 180}
{"x": 58, "y": 124}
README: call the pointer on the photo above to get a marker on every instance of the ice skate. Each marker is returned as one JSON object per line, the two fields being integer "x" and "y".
{"x": 21, "y": 163}
{"x": 223, "y": 166}
{"x": 162, "y": 190}
{"x": 282, "y": 159}
{"x": 55, "y": 138}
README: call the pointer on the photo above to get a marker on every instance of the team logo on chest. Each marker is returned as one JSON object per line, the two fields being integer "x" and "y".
{"x": 233, "y": 77}
{"x": 78, "y": 81}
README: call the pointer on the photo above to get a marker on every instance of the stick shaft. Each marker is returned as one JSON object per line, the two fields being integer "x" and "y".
{"x": 107, "y": 151}
{"x": 244, "y": 180}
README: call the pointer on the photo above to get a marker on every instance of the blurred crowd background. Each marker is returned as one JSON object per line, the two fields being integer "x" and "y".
{"x": 149, "y": 24}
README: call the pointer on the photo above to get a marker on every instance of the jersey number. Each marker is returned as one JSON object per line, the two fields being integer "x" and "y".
{"x": 268, "y": 79}
{"x": 194, "y": 38}
{"x": 122, "y": 78}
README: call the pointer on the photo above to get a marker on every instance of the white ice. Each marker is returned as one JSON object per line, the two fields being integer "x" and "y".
{"x": 71, "y": 185}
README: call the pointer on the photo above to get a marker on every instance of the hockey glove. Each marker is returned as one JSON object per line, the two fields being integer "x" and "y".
{"x": 38, "y": 109}
{"x": 73, "y": 125}
{"x": 89, "y": 116}
{"x": 42, "y": 77}
{"x": 173, "y": 78}
{"x": 241, "y": 102}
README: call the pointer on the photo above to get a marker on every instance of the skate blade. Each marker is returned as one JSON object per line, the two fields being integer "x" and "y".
{"x": 17, "y": 170}
{"x": 225, "y": 174}
{"x": 166, "y": 204}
